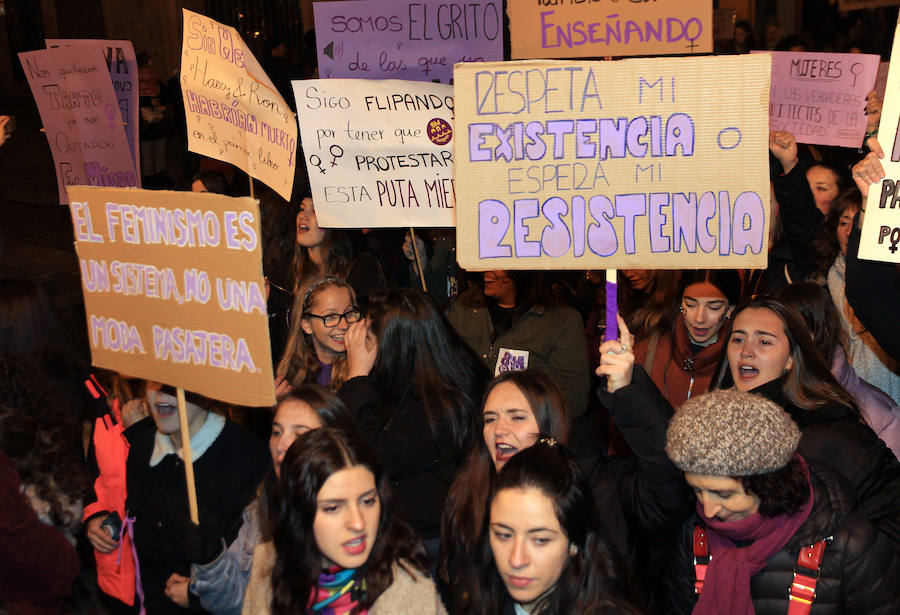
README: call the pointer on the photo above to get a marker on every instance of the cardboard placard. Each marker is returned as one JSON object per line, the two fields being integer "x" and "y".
{"x": 820, "y": 98}
{"x": 174, "y": 290}
{"x": 379, "y": 152}
{"x": 880, "y": 237}
{"x": 123, "y": 71}
{"x": 233, "y": 111}
{"x": 81, "y": 117}
{"x": 648, "y": 163}
{"x": 594, "y": 28}
{"x": 414, "y": 41}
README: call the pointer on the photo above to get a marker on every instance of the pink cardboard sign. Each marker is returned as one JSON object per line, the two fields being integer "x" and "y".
{"x": 414, "y": 41}
{"x": 80, "y": 111}
{"x": 123, "y": 71}
{"x": 820, "y": 97}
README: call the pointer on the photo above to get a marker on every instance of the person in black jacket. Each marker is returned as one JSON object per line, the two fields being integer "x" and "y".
{"x": 414, "y": 389}
{"x": 229, "y": 465}
{"x": 637, "y": 498}
{"x": 771, "y": 352}
{"x": 545, "y": 551}
{"x": 762, "y": 516}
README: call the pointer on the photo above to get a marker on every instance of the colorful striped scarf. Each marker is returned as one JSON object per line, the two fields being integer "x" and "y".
{"x": 338, "y": 592}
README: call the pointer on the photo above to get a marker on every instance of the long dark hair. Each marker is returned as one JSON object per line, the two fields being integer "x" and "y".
{"x": 809, "y": 384}
{"x": 336, "y": 249}
{"x": 727, "y": 281}
{"x": 421, "y": 355}
{"x": 332, "y": 411}
{"x": 815, "y": 305}
{"x": 310, "y": 461}
{"x": 825, "y": 244}
{"x": 462, "y": 522}
{"x": 593, "y": 579}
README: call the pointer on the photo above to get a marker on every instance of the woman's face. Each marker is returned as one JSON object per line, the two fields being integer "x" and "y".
{"x": 509, "y": 423}
{"x": 844, "y": 226}
{"x": 823, "y": 183}
{"x": 529, "y": 545}
{"x": 705, "y": 308}
{"x": 759, "y": 350}
{"x": 292, "y": 419}
{"x": 328, "y": 341}
{"x": 498, "y": 285}
{"x": 164, "y": 410}
{"x": 722, "y": 497}
{"x": 638, "y": 279}
{"x": 347, "y": 513}
{"x": 309, "y": 235}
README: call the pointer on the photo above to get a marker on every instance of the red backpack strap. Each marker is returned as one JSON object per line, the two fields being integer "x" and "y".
{"x": 806, "y": 577}
{"x": 701, "y": 558}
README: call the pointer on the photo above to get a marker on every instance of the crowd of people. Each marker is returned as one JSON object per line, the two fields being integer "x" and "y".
{"x": 482, "y": 447}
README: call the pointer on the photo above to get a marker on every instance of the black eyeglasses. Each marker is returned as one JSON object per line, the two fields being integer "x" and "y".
{"x": 332, "y": 320}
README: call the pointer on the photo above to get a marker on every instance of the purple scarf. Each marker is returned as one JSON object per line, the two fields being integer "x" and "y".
{"x": 727, "y": 585}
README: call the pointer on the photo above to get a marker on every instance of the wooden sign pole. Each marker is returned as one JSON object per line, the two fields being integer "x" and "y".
{"x": 412, "y": 238}
{"x": 188, "y": 458}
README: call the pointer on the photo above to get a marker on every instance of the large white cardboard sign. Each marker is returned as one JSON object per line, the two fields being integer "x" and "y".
{"x": 379, "y": 152}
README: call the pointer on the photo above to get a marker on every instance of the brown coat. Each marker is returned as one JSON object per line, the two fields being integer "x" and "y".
{"x": 408, "y": 595}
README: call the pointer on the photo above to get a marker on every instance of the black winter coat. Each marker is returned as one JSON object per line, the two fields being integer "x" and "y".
{"x": 859, "y": 571}
{"x": 834, "y": 437}
{"x": 644, "y": 497}
{"x": 227, "y": 475}
{"x": 421, "y": 465}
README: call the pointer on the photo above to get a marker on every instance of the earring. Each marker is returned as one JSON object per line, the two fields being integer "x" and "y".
{"x": 681, "y": 309}
{"x": 573, "y": 550}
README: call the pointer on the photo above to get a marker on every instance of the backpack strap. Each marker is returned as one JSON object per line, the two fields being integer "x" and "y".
{"x": 701, "y": 558}
{"x": 806, "y": 577}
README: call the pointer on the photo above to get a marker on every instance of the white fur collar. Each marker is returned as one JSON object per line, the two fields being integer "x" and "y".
{"x": 200, "y": 441}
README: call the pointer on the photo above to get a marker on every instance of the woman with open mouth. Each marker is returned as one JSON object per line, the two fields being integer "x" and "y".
{"x": 547, "y": 554}
{"x": 771, "y": 352}
{"x": 520, "y": 405}
{"x": 338, "y": 546}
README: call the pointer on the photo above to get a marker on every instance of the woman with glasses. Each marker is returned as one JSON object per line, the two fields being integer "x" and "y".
{"x": 315, "y": 351}
{"x": 415, "y": 391}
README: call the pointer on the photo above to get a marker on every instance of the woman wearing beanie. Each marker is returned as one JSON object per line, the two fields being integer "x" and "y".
{"x": 771, "y": 352}
{"x": 771, "y": 533}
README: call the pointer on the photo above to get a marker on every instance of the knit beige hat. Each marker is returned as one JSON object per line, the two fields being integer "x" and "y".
{"x": 730, "y": 433}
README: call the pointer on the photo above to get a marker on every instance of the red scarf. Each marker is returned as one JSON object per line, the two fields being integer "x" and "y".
{"x": 727, "y": 585}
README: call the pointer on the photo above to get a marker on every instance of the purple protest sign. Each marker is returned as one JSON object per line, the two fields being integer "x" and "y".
{"x": 820, "y": 97}
{"x": 416, "y": 41}
{"x": 123, "y": 71}
{"x": 80, "y": 111}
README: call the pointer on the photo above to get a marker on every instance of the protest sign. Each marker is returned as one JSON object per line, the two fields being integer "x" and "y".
{"x": 821, "y": 97}
{"x": 647, "y": 163}
{"x": 880, "y": 237}
{"x": 597, "y": 28}
{"x": 379, "y": 152}
{"x": 233, "y": 111}
{"x": 81, "y": 117}
{"x": 174, "y": 289}
{"x": 416, "y": 41}
{"x": 123, "y": 71}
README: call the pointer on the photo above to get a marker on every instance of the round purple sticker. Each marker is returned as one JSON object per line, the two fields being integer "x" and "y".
{"x": 439, "y": 131}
